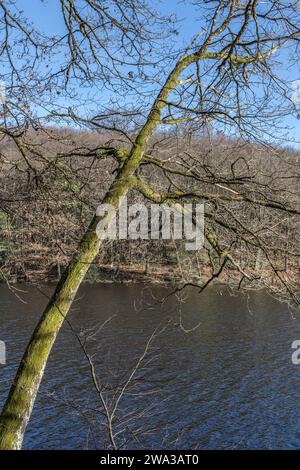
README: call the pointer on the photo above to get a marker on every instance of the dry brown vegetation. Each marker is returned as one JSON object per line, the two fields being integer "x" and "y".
{"x": 45, "y": 208}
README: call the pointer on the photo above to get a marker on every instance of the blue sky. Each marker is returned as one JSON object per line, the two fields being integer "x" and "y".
{"x": 44, "y": 14}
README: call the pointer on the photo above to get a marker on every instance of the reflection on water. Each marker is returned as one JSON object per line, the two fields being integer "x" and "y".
{"x": 229, "y": 383}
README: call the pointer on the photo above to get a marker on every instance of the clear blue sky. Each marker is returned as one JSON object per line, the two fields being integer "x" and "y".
{"x": 44, "y": 13}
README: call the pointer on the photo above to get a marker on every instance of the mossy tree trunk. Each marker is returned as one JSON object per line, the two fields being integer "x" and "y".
{"x": 18, "y": 407}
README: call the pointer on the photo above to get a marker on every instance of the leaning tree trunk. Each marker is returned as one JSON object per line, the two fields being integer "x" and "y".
{"x": 18, "y": 407}
{"x": 20, "y": 401}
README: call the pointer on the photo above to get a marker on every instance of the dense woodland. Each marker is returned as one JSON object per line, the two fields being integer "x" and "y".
{"x": 46, "y": 207}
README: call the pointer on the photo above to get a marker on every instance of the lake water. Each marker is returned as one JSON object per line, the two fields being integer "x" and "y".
{"x": 227, "y": 384}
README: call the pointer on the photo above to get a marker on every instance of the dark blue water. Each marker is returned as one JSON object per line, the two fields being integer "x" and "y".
{"x": 228, "y": 384}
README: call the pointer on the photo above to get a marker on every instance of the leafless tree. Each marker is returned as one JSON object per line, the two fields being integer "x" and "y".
{"x": 106, "y": 66}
